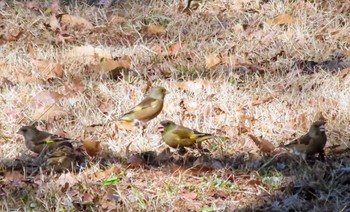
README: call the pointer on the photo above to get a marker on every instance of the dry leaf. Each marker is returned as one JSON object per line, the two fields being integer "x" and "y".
{"x": 343, "y": 73}
{"x": 110, "y": 65}
{"x": 90, "y": 52}
{"x": 67, "y": 178}
{"x": 48, "y": 69}
{"x": 189, "y": 195}
{"x": 282, "y": 19}
{"x": 75, "y": 21}
{"x": 92, "y": 147}
{"x": 212, "y": 60}
{"x": 264, "y": 145}
{"x": 319, "y": 117}
{"x": 125, "y": 125}
{"x": 45, "y": 98}
{"x": 154, "y": 30}
{"x": 263, "y": 99}
{"x": 48, "y": 113}
{"x": 54, "y": 24}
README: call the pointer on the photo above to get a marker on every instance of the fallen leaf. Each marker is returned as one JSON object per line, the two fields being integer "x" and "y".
{"x": 125, "y": 125}
{"x": 319, "y": 117}
{"x": 90, "y": 52}
{"x": 75, "y": 21}
{"x": 47, "y": 113}
{"x": 343, "y": 73}
{"x": 65, "y": 178}
{"x": 212, "y": 60}
{"x": 189, "y": 195}
{"x": 54, "y": 24}
{"x": 110, "y": 65}
{"x": 263, "y": 145}
{"x": 48, "y": 69}
{"x": 282, "y": 19}
{"x": 154, "y": 30}
{"x": 45, "y": 98}
{"x": 136, "y": 161}
{"x": 113, "y": 170}
{"x": 92, "y": 147}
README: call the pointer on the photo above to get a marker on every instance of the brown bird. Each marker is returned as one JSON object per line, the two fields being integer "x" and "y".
{"x": 148, "y": 108}
{"x": 41, "y": 141}
{"x": 57, "y": 152}
{"x": 312, "y": 142}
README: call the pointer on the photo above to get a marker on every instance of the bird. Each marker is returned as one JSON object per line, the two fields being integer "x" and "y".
{"x": 54, "y": 151}
{"x": 312, "y": 142}
{"x": 177, "y": 136}
{"x": 41, "y": 142}
{"x": 148, "y": 108}
{"x": 63, "y": 158}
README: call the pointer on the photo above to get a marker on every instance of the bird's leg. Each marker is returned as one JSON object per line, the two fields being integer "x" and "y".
{"x": 321, "y": 155}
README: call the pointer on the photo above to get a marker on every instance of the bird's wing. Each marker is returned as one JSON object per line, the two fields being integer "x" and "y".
{"x": 305, "y": 139}
{"x": 146, "y": 103}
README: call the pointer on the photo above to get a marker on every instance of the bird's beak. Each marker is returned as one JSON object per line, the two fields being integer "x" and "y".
{"x": 322, "y": 128}
{"x": 161, "y": 128}
{"x": 19, "y": 132}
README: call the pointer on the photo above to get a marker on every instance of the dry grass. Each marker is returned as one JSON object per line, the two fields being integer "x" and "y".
{"x": 223, "y": 104}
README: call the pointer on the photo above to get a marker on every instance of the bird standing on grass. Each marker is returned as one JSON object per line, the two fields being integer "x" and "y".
{"x": 57, "y": 152}
{"x": 177, "y": 136}
{"x": 40, "y": 141}
{"x": 148, "y": 108}
{"x": 312, "y": 142}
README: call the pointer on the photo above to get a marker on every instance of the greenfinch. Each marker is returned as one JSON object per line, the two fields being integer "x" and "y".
{"x": 40, "y": 142}
{"x": 177, "y": 136}
{"x": 148, "y": 108}
{"x": 63, "y": 158}
{"x": 312, "y": 142}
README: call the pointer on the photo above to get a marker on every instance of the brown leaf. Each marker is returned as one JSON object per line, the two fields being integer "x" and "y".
{"x": 13, "y": 176}
{"x": 48, "y": 69}
{"x": 75, "y": 22}
{"x": 48, "y": 113}
{"x": 114, "y": 169}
{"x": 46, "y": 98}
{"x": 92, "y": 147}
{"x": 136, "y": 161}
{"x": 65, "y": 178}
{"x": 212, "y": 60}
{"x": 189, "y": 195}
{"x": 154, "y": 30}
{"x": 319, "y": 117}
{"x": 264, "y": 145}
{"x": 90, "y": 52}
{"x": 54, "y": 24}
{"x": 110, "y": 65}
{"x": 263, "y": 99}
{"x": 282, "y": 19}
{"x": 343, "y": 73}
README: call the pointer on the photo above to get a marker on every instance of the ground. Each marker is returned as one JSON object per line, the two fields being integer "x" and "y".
{"x": 254, "y": 73}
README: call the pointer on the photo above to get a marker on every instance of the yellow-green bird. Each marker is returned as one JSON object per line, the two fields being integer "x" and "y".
{"x": 41, "y": 142}
{"x": 177, "y": 136}
{"x": 148, "y": 108}
{"x": 312, "y": 142}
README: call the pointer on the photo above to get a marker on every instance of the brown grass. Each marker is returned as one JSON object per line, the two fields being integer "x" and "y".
{"x": 224, "y": 103}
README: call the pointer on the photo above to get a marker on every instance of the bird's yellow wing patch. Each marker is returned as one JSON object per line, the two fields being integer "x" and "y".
{"x": 138, "y": 108}
{"x": 49, "y": 141}
{"x": 193, "y": 136}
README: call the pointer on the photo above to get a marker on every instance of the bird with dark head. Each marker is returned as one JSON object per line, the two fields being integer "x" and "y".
{"x": 41, "y": 141}
{"x": 312, "y": 142}
{"x": 148, "y": 108}
{"x": 177, "y": 136}
{"x": 57, "y": 152}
